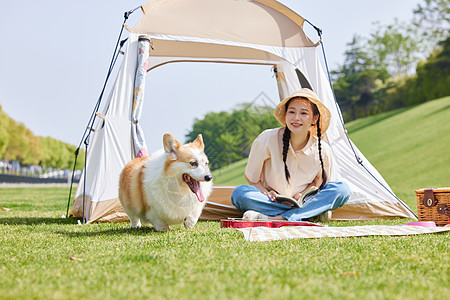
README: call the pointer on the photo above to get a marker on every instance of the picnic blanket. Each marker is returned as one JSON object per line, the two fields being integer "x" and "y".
{"x": 262, "y": 234}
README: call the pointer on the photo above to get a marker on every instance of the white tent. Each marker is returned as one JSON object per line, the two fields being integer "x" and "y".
{"x": 228, "y": 31}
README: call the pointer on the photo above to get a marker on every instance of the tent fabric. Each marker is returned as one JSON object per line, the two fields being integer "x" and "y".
{"x": 208, "y": 32}
{"x": 237, "y": 21}
{"x": 179, "y": 49}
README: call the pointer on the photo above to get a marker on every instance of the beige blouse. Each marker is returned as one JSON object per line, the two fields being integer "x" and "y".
{"x": 265, "y": 163}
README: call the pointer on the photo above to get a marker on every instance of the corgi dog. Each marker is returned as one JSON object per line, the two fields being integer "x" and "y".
{"x": 167, "y": 187}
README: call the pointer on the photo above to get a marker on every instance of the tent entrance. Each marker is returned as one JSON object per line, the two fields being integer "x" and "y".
{"x": 275, "y": 35}
{"x": 216, "y": 87}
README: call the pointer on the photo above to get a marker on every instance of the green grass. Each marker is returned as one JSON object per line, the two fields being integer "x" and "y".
{"x": 410, "y": 148}
{"x": 110, "y": 261}
{"x": 207, "y": 262}
{"x": 232, "y": 174}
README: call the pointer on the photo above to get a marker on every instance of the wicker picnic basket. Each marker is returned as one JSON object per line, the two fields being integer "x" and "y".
{"x": 434, "y": 205}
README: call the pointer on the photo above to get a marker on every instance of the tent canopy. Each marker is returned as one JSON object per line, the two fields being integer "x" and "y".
{"x": 233, "y": 31}
{"x": 251, "y": 22}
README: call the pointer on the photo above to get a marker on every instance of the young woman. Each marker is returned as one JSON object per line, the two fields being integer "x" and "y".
{"x": 288, "y": 161}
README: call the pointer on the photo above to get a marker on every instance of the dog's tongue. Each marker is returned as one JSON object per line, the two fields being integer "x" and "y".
{"x": 194, "y": 185}
{"x": 197, "y": 190}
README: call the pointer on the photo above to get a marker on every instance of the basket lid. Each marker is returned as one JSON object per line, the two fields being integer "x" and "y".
{"x": 442, "y": 190}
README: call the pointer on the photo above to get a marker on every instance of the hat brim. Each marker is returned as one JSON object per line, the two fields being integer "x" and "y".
{"x": 280, "y": 111}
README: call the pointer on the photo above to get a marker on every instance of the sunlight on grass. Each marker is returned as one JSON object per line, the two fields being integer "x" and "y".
{"x": 44, "y": 256}
{"x": 232, "y": 174}
{"x": 410, "y": 148}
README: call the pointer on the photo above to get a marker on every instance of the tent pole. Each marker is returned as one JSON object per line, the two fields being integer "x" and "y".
{"x": 86, "y": 143}
{"x": 71, "y": 181}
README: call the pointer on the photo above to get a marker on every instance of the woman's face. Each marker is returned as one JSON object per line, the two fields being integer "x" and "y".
{"x": 299, "y": 115}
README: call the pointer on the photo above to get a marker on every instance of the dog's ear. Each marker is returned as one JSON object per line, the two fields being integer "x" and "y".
{"x": 171, "y": 146}
{"x": 199, "y": 142}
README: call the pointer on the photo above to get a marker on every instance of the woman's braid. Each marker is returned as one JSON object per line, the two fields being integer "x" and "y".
{"x": 319, "y": 136}
{"x": 286, "y": 138}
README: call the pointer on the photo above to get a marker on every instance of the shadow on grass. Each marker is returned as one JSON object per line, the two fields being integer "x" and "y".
{"x": 112, "y": 231}
{"x": 36, "y": 221}
{"x": 31, "y": 221}
{"x": 371, "y": 120}
{"x": 432, "y": 113}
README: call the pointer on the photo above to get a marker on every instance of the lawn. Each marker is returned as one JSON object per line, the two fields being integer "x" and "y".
{"x": 409, "y": 147}
{"x": 44, "y": 256}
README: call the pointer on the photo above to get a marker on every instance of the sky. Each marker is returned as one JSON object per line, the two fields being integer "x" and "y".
{"x": 54, "y": 58}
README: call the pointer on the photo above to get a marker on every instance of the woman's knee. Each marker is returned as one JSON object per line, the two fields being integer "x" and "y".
{"x": 238, "y": 193}
{"x": 339, "y": 187}
{"x": 344, "y": 192}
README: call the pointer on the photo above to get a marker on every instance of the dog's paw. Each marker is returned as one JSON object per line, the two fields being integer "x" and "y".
{"x": 189, "y": 223}
{"x": 136, "y": 223}
{"x": 162, "y": 228}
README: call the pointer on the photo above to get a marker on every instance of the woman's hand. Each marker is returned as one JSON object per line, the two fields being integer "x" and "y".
{"x": 297, "y": 196}
{"x": 272, "y": 195}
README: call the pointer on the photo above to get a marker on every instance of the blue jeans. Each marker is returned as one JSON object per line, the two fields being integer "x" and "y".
{"x": 333, "y": 195}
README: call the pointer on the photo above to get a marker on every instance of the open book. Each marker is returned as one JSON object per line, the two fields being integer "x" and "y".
{"x": 297, "y": 203}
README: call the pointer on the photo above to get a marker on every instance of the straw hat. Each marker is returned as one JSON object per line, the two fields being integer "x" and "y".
{"x": 280, "y": 111}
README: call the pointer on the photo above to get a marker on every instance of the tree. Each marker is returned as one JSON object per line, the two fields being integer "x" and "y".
{"x": 394, "y": 49}
{"x": 55, "y": 154}
{"x": 431, "y": 81}
{"x": 4, "y": 136}
{"x": 17, "y": 143}
{"x": 378, "y": 72}
{"x": 431, "y": 22}
{"x": 356, "y": 57}
{"x": 228, "y": 136}
{"x": 23, "y": 146}
{"x": 355, "y": 81}
{"x": 433, "y": 75}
